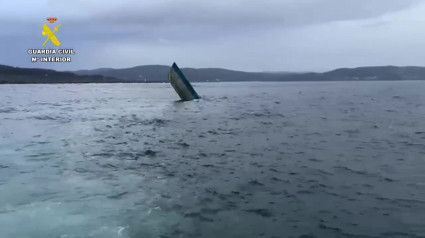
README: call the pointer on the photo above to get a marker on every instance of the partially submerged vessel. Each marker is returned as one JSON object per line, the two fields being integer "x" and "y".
{"x": 180, "y": 83}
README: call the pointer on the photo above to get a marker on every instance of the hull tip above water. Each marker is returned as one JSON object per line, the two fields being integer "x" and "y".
{"x": 181, "y": 85}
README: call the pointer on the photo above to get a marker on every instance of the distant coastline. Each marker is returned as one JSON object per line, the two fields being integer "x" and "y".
{"x": 159, "y": 74}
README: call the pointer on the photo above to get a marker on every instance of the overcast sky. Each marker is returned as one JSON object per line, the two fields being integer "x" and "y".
{"x": 249, "y": 35}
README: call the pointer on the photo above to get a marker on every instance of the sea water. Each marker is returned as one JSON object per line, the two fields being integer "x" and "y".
{"x": 299, "y": 159}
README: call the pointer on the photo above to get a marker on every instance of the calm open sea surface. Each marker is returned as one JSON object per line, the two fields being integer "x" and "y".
{"x": 302, "y": 160}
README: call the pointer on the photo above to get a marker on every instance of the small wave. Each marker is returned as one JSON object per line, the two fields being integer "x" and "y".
{"x": 8, "y": 110}
{"x": 51, "y": 118}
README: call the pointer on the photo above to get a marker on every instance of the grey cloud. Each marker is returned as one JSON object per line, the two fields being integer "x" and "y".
{"x": 194, "y": 20}
{"x": 238, "y": 34}
{"x": 245, "y": 12}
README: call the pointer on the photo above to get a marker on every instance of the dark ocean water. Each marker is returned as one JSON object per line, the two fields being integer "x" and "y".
{"x": 302, "y": 160}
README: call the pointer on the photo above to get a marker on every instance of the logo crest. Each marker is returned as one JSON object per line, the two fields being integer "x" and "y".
{"x": 51, "y": 19}
{"x": 51, "y": 34}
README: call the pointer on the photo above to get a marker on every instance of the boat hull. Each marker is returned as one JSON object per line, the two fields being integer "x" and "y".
{"x": 181, "y": 85}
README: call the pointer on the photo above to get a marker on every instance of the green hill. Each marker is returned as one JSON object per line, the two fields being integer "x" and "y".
{"x": 159, "y": 73}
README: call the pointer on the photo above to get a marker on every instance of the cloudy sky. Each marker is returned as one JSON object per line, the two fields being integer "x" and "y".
{"x": 249, "y": 35}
